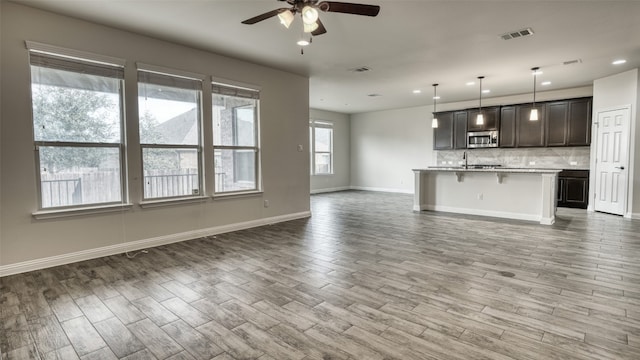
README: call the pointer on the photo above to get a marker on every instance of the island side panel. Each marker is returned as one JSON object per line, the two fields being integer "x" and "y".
{"x": 549, "y": 198}
{"x": 418, "y": 196}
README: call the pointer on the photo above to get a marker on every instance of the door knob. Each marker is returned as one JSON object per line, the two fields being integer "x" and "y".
{"x": 620, "y": 167}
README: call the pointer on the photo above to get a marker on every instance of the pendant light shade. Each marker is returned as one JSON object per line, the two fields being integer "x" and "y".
{"x": 434, "y": 121}
{"x": 534, "y": 112}
{"x": 309, "y": 15}
{"x": 310, "y": 27}
{"x": 480, "y": 117}
{"x": 286, "y": 18}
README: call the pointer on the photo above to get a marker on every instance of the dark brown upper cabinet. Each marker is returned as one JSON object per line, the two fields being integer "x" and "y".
{"x": 556, "y": 123}
{"x": 579, "y": 122}
{"x": 443, "y": 134}
{"x": 507, "y": 126}
{"x": 561, "y": 123}
{"x": 530, "y": 133}
{"x": 569, "y": 122}
{"x": 460, "y": 129}
{"x": 491, "y": 119}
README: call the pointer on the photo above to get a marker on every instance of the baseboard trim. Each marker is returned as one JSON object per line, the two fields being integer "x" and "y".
{"x": 83, "y": 255}
{"x": 634, "y": 216}
{"x": 377, "y": 189}
{"x": 490, "y": 213}
{"x": 327, "y": 190}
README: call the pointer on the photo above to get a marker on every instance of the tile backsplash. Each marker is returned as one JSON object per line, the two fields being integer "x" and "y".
{"x": 544, "y": 158}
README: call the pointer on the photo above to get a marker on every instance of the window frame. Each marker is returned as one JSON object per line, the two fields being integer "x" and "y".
{"x": 179, "y": 75}
{"x": 313, "y": 126}
{"x": 75, "y": 59}
{"x": 239, "y": 90}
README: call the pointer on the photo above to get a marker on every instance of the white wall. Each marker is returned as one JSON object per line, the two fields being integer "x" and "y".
{"x": 386, "y": 145}
{"x": 27, "y": 242}
{"x": 611, "y": 92}
{"x": 340, "y": 179}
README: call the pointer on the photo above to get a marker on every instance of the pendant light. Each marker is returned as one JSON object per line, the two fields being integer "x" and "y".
{"x": 480, "y": 117}
{"x": 534, "y": 112}
{"x": 434, "y": 121}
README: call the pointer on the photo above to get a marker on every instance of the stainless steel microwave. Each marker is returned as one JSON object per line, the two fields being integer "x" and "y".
{"x": 482, "y": 139}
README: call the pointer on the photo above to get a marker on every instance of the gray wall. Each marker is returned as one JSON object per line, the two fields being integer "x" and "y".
{"x": 386, "y": 145}
{"x": 340, "y": 179}
{"x": 284, "y": 125}
{"x": 615, "y": 91}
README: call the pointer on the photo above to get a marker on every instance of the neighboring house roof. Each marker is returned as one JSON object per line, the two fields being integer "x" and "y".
{"x": 181, "y": 129}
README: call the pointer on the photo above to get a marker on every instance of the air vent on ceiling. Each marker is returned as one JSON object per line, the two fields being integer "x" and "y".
{"x": 571, "y": 62}
{"x": 517, "y": 34}
{"x": 361, "y": 69}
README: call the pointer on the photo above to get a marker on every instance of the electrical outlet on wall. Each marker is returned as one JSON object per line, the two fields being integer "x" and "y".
{"x": 266, "y": 203}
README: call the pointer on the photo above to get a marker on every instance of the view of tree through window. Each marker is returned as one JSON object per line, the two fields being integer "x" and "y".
{"x": 321, "y": 134}
{"x": 77, "y": 120}
{"x": 169, "y": 115}
{"x": 236, "y": 151}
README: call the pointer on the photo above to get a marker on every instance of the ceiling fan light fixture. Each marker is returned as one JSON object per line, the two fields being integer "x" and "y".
{"x": 310, "y": 27}
{"x": 309, "y": 15}
{"x": 286, "y": 18}
{"x": 303, "y": 42}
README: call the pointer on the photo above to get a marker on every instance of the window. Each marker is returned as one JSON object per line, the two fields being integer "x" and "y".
{"x": 235, "y": 138}
{"x": 78, "y": 130}
{"x": 321, "y": 137}
{"x": 169, "y": 122}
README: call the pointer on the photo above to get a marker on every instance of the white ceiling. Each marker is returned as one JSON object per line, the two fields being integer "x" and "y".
{"x": 410, "y": 45}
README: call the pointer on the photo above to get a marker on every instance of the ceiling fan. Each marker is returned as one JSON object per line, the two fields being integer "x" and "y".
{"x": 308, "y": 9}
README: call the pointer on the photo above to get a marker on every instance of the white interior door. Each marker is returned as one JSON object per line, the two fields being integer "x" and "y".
{"x": 612, "y": 161}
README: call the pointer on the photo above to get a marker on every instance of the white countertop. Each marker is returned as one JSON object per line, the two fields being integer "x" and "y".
{"x": 494, "y": 170}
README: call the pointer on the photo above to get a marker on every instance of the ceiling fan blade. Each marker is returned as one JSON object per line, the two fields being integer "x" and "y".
{"x": 320, "y": 30}
{"x": 264, "y": 16}
{"x": 349, "y": 8}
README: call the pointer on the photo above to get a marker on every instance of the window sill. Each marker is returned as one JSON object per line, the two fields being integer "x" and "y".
{"x": 323, "y": 174}
{"x": 53, "y": 214}
{"x": 173, "y": 201}
{"x": 237, "y": 194}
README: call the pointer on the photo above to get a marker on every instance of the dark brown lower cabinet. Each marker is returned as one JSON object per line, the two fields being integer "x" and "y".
{"x": 573, "y": 189}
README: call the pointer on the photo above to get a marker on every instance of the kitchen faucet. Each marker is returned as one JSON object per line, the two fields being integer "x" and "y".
{"x": 464, "y": 157}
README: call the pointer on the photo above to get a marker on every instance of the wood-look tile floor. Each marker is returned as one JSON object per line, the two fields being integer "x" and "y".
{"x": 364, "y": 278}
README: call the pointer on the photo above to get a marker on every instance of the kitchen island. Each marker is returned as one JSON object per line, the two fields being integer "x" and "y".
{"x": 523, "y": 194}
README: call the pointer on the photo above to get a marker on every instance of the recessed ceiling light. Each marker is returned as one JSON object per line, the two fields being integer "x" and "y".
{"x": 471, "y": 83}
{"x": 417, "y": 91}
{"x": 303, "y": 42}
{"x": 436, "y": 98}
{"x": 619, "y": 62}
{"x": 545, "y": 83}
{"x": 486, "y": 91}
